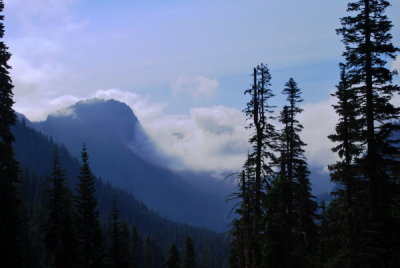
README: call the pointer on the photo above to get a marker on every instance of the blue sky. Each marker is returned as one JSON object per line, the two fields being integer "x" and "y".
{"x": 145, "y": 46}
{"x": 181, "y": 62}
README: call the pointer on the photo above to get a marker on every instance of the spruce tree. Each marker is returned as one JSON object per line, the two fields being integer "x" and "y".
{"x": 323, "y": 236}
{"x": 346, "y": 173}
{"x": 242, "y": 225}
{"x": 118, "y": 251}
{"x": 248, "y": 228}
{"x": 174, "y": 259}
{"x": 291, "y": 208}
{"x": 259, "y": 164}
{"x": 10, "y": 218}
{"x": 367, "y": 39}
{"x": 90, "y": 241}
{"x": 58, "y": 230}
{"x": 189, "y": 259}
{"x": 136, "y": 245}
{"x": 205, "y": 258}
{"x": 149, "y": 254}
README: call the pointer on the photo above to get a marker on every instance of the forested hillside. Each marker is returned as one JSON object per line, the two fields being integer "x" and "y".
{"x": 124, "y": 156}
{"x": 35, "y": 152}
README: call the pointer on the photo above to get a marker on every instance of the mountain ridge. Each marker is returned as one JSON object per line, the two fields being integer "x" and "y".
{"x": 123, "y": 155}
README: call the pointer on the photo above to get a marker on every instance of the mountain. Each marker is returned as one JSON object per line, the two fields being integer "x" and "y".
{"x": 123, "y": 155}
{"x": 34, "y": 152}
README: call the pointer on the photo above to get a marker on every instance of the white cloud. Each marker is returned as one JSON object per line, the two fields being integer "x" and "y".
{"x": 396, "y": 64}
{"x": 37, "y": 43}
{"x": 197, "y": 86}
{"x": 319, "y": 120}
{"x": 35, "y": 86}
{"x": 37, "y": 108}
{"x": 208, "y": 138}
{"x": 211, "y": 138}
{"x": 396, "y": 100}
{"x": 215, "y": 138}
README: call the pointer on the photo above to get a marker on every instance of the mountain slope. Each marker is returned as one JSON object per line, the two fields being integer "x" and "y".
{"x": 34, "y": 151}
{"x": 122, "y": 155}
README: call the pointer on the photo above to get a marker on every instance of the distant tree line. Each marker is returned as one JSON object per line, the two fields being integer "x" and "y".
{"x": 49, "y": 204}
{"x": 73, "y": 236}
{"x": 279, "y": 223}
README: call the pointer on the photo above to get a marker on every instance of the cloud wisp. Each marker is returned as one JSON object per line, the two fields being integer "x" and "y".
{"x": 195, "y": 86}
{"x": 396, "y": 63}
{"x": 208, "y": 138}
{"x": 319, "y": 120}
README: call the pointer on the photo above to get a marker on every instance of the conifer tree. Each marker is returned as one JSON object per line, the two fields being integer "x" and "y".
{"x": 119, "y": 244}
{"x": 367, "y": 39}
{"x": 90, "y": 241}
{"x": 242, "y": 226}
{"x": 323, "y": 249}
{"x": 10, "y": 218}
{"x": 189, "y": 259}
{"x": 260, "y": 160}
{"x": 248, "y": 229}
{"x": 174, "y": 260}
{"x": 205, "y": 258}
{"x": 59, "y": 232}
{"x": 149, "y": 254}
{"x": 136, "y": 245}
{"x": 291, "y": 208}
{"x": 346, "y": 172}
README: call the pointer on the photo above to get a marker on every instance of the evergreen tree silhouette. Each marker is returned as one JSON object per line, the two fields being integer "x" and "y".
{"x": 59, "y": 233}
{"x": 119, "y": 240}
{"x": 367, "y": 39}
{"x": 249, "y": 228}
{"x": 189, "y": 258}
{"x": 291, "y": 209}
{"x": 10, "y": 204}
{"x": 149, "y": 254}
{"x": 136, "y": 245}
{"x": 90, "y": 240}
{"x": 346, "y": 172}
{"x": 174, "y": 259}
{"x": 242, "y": 226}
{"x": 260, "y": 161}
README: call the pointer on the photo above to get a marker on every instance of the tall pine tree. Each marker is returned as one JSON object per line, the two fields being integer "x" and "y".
{"x": 346, "y": 173}
{"x": 136, "y": 246}
{"x": 241, "y": 226}
{"x": 367, "y": 39}
{"x": 259, "y": 164}
{"x": 189, "y": 258}
{"x": 149, "y": 256}
{"x": 10, "y": 218}
{"x": 248, "y": 227}
{"x": 291, "y": 208}
{"x": 90, "y": 240}
{"x": 59, "y": 233}
{"x": 118, "y": 250}
{"x": 174, "y": 259}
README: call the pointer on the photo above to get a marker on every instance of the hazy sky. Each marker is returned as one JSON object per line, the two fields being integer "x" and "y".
{"x": 181, "y": 65}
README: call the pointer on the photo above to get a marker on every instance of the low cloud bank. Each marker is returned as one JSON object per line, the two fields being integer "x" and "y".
{"x": 208, "y": 138}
